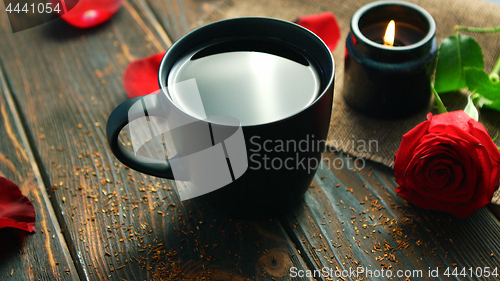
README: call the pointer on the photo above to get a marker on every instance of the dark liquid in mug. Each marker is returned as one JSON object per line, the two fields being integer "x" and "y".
{"x": 255, "y": 82}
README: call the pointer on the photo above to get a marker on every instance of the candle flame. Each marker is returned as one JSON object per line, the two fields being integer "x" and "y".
{"x": 390, "y": 34}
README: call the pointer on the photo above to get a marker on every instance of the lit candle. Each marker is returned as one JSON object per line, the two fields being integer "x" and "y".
{"x": 390, "y": 34}
{"x": 390, "y": 51}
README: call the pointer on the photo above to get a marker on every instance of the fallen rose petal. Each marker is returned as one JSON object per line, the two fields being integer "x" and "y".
{"x": 16, "y": 210}
{"x": 89, "y": 13}
{"x": 325, "y": 26}
{"x": 141, "y": 76}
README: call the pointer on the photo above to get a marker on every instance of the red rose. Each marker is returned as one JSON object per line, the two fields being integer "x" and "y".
{"x": 448, "y": 163}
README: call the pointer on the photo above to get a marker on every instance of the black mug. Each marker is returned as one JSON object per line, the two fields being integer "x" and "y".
{"x": 243, "y": 186}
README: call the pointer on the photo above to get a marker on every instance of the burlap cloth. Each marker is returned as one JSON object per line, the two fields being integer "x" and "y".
{"x": 347, "y": 126}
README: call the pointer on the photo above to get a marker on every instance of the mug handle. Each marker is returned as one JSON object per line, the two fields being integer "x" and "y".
{"x": 118, "y": 119}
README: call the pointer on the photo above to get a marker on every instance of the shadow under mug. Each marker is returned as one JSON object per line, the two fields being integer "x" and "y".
{"x": 248, "y": 191}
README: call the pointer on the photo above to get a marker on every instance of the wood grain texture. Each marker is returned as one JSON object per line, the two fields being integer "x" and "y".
{"x": 354, "y": 218}
{"x": 42, "y": 255}
{"x": 179, "y": 17}
{"x": 121, "y": 225}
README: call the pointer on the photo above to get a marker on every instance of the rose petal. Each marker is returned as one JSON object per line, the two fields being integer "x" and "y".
{"x": 455, "y": 118}
{"x": 89, "y": 13}
{"x": 325, "y": 26}
{"x": 490, "y": 156}
{"x": 141, "y": 76}
{"x": 405, "y": 152}
{"x": 479, "y": 131}
{"x": 16, "y": 210}
{"x": 419, "y": 200}
{"x": 443, "y": 174}
{"x": 462, "y": 147}
{"x": 455, "y": 131}
{"x": 443, "y": 148}
{"x": 488, "y": 177}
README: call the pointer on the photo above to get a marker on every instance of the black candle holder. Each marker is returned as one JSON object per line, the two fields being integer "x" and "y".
{"x": 389, "y": 81}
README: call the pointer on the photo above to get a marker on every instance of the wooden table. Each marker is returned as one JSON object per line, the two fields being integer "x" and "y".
{"x": 98, "y": 220}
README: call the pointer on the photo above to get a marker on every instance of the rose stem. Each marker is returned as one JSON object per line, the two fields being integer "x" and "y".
{"x": 478, "y": 29}
{"x": 495, "y": 71}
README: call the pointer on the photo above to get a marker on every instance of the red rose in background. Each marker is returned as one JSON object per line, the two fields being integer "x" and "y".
{"x": 448, "y": 163}
{"x": 89, "y": 13}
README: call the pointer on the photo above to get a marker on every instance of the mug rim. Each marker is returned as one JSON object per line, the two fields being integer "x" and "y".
{"x": 328, "y": 84}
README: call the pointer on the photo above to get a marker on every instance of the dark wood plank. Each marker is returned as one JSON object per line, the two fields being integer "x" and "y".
{"x": 42, "y": 255}
{"x": 179, "y": 17}
{"x": 121, "y": 224}
{"x": 354, "y": 218}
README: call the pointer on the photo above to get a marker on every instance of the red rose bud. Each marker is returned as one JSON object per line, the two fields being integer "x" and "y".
{"x": 448, "y": 163}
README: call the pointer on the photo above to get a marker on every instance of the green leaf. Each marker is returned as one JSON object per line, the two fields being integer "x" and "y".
{"x": 481, "y": 101}
{"x": 471, "y": 109}
{"x": 484, "y": 102}
{"x": 455, "y": 53}
{"x": 494, "y": 105}
{"x": 479, "y": 81}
